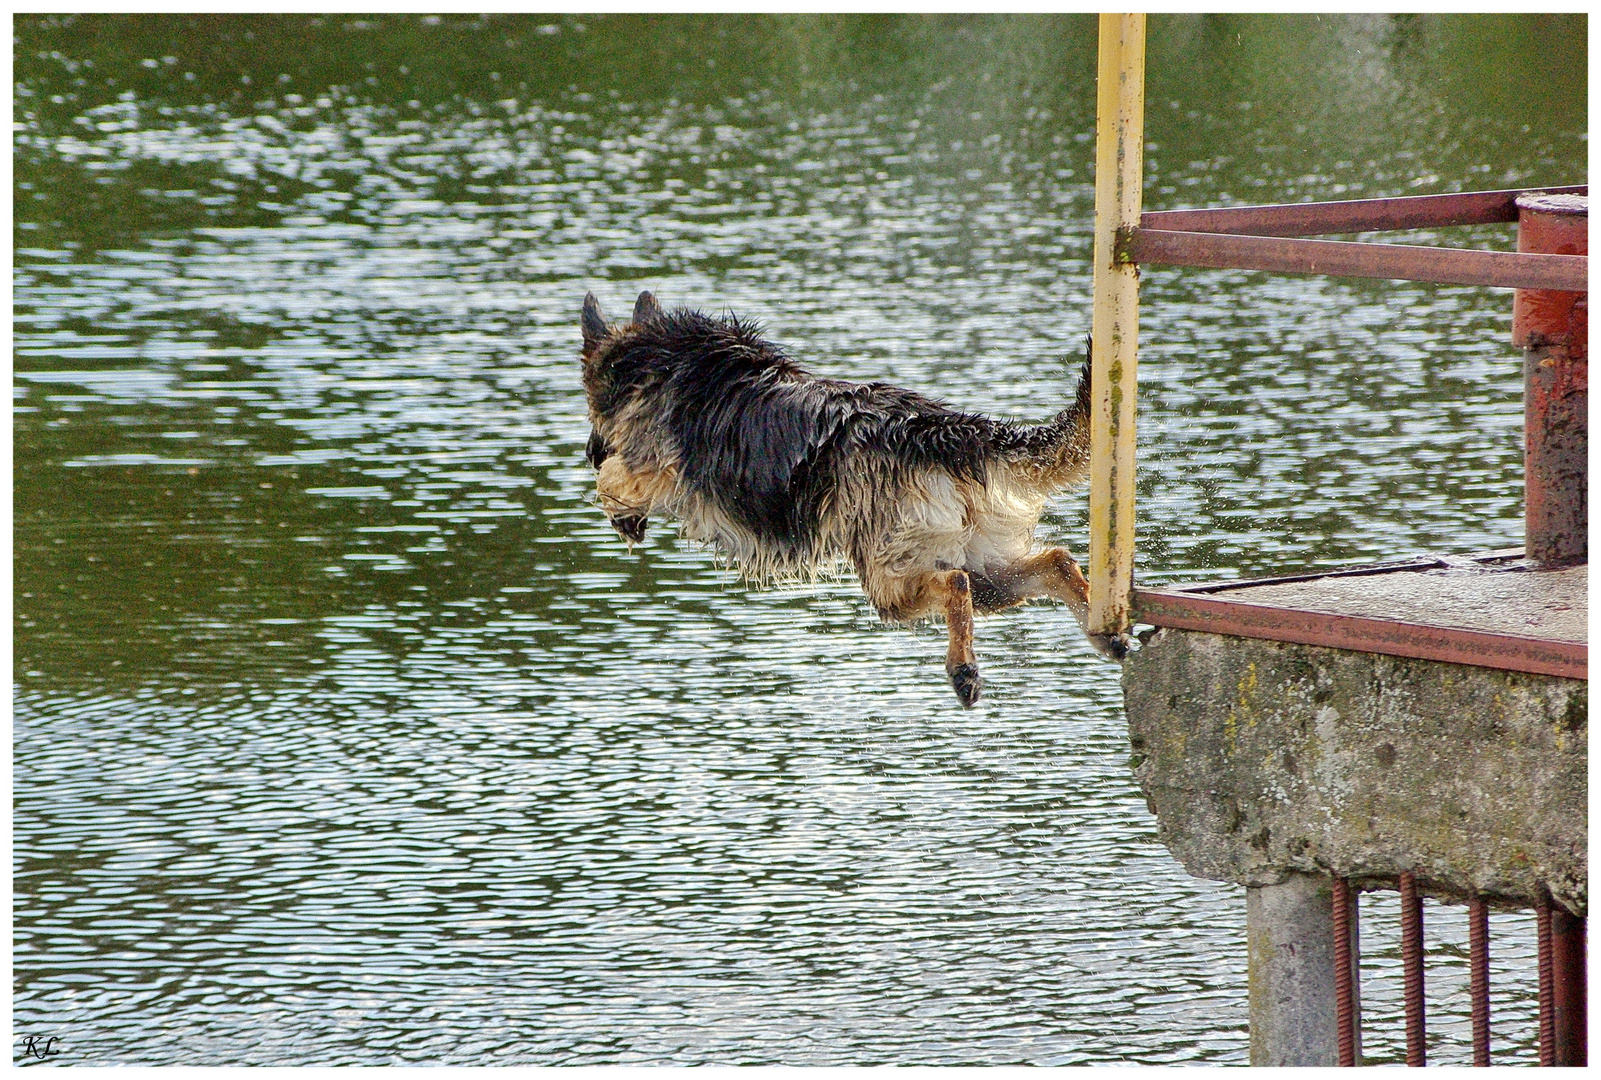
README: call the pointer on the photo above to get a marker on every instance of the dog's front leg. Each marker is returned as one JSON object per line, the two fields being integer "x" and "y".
{"x": 961, "y": 664}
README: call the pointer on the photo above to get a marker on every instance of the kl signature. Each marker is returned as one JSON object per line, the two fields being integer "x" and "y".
{"x": 35, "y": 1047}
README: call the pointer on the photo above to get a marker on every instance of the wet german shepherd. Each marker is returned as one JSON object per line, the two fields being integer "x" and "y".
{"x": 703, "y": 420}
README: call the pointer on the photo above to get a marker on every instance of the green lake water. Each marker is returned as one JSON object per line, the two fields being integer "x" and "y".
{"x": 347, "y": 732}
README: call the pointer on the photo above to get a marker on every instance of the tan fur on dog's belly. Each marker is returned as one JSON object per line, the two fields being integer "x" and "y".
{"x": 941, "y": 523}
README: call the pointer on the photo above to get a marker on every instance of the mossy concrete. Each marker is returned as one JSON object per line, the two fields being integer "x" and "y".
{"x": 1262, "y": 759}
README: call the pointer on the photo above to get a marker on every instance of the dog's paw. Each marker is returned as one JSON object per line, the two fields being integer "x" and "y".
{"x": 1111, "y": 646}
{"x": 966, "y": 682}
{"x": 630, "y": 528}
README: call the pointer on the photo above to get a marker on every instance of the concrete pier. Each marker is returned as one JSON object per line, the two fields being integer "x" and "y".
{"x": 1263, "y": 759}
{"x": 1277, "y": 765}
{"x": 1291, "y": 963}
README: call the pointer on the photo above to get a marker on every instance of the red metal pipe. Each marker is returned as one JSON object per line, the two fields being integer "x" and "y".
{"x": 1412, "y": 968}
{"x": 1568, "y": 989}
{"x": 1548, "y": 1027}
{"x": 1479, "y": 977}
{"x": 1190, "y": 610}
{"x": 1553, "y": 328}
{"x": 1353, "y": 215}
{"x": 1345, "y": 962}
{"x": 1343, "y": 258}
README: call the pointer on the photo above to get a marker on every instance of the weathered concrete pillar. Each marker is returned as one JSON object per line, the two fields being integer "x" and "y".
{"x": 1291, "y": 963}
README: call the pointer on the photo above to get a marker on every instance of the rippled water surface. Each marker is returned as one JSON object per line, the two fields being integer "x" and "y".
{"x": 348, "y": 732}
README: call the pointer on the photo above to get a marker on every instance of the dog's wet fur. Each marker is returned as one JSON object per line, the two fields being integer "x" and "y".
{"x": 703, "y": 420}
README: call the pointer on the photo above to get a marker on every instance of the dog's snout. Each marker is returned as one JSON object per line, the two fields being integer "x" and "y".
{"x": 630, "y": 527}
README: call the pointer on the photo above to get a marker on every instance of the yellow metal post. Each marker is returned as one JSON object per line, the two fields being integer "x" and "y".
{"x": 1119, "y": 161}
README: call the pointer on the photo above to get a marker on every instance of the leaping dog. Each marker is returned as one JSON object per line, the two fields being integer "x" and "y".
{"x": 703, "y": 420}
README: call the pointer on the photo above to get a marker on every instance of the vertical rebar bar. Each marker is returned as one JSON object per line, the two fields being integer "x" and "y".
{"x": 1412, "y": 967}
{"x": 1548, "y": 1025}
{"x": 1568, "y": 1020}
{"x": 1479, "y": 977}
{"x": 1344, "y": 965}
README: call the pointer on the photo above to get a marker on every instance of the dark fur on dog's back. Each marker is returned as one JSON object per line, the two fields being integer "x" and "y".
{"x": 705, "y": 420}
{"x": 767, "y": 431}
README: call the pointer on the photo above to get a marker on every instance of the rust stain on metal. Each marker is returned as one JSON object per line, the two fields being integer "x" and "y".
{"x": 1412, "y": 968}
{"x": 1479, "y": 977}
{"x": 1345, "y": 960}
{"x": 1123, "y": 244}
{"x": 1553, "y": 328}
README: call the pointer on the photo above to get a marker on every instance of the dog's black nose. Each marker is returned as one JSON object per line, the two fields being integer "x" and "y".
{"x": 631, "y": 528}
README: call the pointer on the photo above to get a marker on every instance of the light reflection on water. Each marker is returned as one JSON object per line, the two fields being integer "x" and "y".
{"x": 348, "y": 732}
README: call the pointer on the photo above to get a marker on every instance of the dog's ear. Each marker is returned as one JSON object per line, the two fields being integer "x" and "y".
{"x": 646, "y": 308}
{"x": 594, "y": 325}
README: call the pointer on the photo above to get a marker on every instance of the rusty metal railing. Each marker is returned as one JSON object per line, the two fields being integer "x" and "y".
{"x": 1561, "y": 964}
{"x": 1272, "y": 238}
{"x": 1549, "y": 322}
{"x": 1268, "y": 238}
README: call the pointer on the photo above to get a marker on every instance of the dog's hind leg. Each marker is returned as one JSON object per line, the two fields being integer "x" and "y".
{"x": 961, "y": 663}
{"x": 1053, "y": 573}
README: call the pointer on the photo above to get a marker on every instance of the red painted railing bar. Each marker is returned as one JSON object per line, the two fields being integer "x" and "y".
{"x": 1568, "y": 989}
{"x": 1342, "y": 258}
{"x": 1344, "y": 972}
{"x": 1213, "y": 614}
{"x": 1412, "y": 967}
{"x": 1479, "y": 977}
{"x": 1354, "y": 215}
{"x": 1548, "y": 1026}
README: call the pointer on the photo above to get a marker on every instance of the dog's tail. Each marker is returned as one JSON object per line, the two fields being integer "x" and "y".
{"x": 1057, "y": 453}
